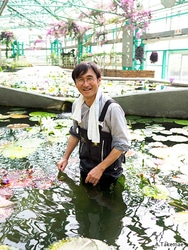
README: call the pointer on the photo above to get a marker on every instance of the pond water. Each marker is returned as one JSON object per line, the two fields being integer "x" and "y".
{"x": 146, "y": 210}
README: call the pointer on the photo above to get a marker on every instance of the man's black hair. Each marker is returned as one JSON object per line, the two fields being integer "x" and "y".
{"x": 83, "y": 68}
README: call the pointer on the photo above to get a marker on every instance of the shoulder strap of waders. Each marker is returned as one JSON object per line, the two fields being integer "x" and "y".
{"x": 106, "y": 105}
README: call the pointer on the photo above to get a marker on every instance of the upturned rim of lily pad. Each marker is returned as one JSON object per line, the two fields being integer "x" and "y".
{"x": 18, "y": 125}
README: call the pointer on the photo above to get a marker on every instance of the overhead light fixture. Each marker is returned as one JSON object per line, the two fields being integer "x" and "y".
{"x": 168, "y": 3}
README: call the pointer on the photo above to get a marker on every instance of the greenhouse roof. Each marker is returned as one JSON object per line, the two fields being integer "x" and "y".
{"x": 40, "y": 14}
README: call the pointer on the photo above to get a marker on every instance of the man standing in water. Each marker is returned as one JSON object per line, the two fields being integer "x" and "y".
{"x": 99, "y": 125}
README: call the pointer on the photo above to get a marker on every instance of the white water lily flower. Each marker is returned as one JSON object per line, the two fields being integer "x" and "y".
{"x": 48, "y": 124}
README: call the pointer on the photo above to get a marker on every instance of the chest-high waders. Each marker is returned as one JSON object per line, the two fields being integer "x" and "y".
{"x": 91, "y": 154}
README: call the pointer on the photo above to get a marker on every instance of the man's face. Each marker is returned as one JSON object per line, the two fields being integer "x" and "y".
{"x": 87, "y": 85}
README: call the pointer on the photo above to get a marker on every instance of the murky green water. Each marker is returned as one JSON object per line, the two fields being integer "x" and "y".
{"x": 124, "y": 217}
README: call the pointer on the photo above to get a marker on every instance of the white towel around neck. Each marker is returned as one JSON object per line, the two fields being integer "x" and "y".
{"x": 93, "y": 122}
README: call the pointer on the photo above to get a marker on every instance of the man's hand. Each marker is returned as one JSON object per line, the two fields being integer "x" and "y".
{"x": 62, "y": 163}
{"x": 94, "y": 176}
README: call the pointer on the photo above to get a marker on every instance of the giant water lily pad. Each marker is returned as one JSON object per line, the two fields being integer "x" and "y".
{"x": 183, "y": 131}
{"x": 22, "y": 148}
{"x": 2, "y": 117}
{"x": 35, "y": 116}
{"x": 35, "y": 178}
{"x": 181, "y": 178}
{"x": 18, "y": 116}
{"x": 5, "y": 203}
{"x": 79, "y": 243}
{"x": 18, "y": 126}
{"x": 177, "y": 138}
{"x": 181, "y": 217}
{"x": 159, "y": 192}
{"x": 159, "y": 138}
{"x": 170, "y": 152}
{"x": 6, "y": 247}
{"x": 6, "y": 208}
{"x": 182, "y": 122}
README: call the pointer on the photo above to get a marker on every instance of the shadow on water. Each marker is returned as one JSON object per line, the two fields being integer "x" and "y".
{"x": 69, "y": 209}
{"x": 98, "y": 213}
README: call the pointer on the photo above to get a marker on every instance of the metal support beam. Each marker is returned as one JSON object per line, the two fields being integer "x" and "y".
{"x": 3, "y": 5}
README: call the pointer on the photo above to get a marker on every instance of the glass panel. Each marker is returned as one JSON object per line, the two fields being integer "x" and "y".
{"x": 174, "y": 66}
{"x": 184, "y": 68}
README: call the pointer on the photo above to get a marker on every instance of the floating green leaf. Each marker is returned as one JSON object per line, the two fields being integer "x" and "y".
{"x": 159, "y": 192}
{"x": 181, "y": 122}
{"x": 22, "y": 148}
{"x": 42, "y": 114}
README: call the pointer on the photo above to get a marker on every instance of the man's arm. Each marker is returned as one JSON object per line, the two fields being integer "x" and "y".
{"x": 72, "y": 143}
{"x": 95, "y": 174}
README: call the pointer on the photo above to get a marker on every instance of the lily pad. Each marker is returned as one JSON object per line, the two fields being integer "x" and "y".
{"x": 34, "y": 178}
{"x": 181, "y": 122}
{"x": 79, "y": 243}
{"x": 42, "y": 114}
{"x": 159, "y": 192}
{"x": 18, "y": 116}
{"x": 5, "y": 203}
{"x": 166, "y": 132}
{"x": 6, "y": 247}
{"x": 181, "y": 178}
{"x": 179, "y": 131}
{"x": 177, "y": 138}
{"x": 161, "y": 153}
{"x": 159, "y": 138}
{"x": 22, "y": 148}
{"x": 181, "y": 217}
{"x": 2, "y": 117}
{"x": 18, "y": 125}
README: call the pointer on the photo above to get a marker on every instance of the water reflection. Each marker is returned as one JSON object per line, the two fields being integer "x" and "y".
{"x": 122, "y": 217}
{"x": 98, "y": 213}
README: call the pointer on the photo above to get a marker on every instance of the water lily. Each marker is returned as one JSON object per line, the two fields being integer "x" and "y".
{"x": 48, "y": 124}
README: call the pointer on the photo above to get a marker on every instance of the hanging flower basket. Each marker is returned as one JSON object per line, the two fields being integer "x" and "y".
{"x": 7, "y": 37}
{"x": 154, "y": 57}
{"x": 139, "y": 54}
